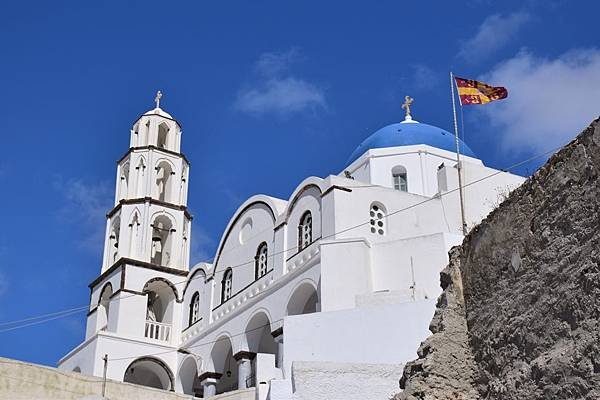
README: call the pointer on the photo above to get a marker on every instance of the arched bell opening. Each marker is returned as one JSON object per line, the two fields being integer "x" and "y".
{"x": 104, "y": 306}
{"x": 162, "y": 238}
{"x": 161, "y": 299}
{"x": 163, "y": 138}
{"x": 124, "y": 181}
{"x": 151, "y": 372}
{"x": 164, "y": 181}
{"x": 113, "y": 240}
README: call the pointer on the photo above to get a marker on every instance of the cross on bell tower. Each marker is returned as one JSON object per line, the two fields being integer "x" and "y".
{"x": 157, "y": 98}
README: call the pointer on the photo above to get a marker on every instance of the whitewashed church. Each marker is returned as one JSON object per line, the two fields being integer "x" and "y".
{"x": 323, "y": 295}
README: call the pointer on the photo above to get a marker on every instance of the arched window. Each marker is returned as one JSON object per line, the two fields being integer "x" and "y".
{"x": 260, "y": 261}
{"x": 195, "y": 309}
{"x": 305, "y": 231}
{"x": 162, "y": 230}
{"x": 377, "y": 219}
{"x": 226, "y": 285}
{"x": 399, "y": 178}
{"x": 163, "y": 136}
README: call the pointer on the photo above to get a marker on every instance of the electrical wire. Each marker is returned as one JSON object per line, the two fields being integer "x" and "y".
{"x": 65, "y": 313}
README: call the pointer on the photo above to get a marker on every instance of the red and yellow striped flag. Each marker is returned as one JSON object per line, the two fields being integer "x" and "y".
{"x": 474, "y": 92}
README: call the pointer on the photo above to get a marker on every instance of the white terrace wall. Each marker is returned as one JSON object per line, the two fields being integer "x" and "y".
{"x": 24, "y": 381}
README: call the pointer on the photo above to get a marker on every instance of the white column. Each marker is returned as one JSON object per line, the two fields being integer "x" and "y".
{"x": 278, "y": 337}
{"x": 210, "y": 387}
{"x": 244, "y": 360}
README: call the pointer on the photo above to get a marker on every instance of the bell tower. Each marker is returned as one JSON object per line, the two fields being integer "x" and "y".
{"x": 150, "y": 222}
{"x": 135, "y": 302}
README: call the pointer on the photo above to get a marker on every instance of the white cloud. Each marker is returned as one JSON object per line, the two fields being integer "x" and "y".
{"x": 274, "y": 64}
{"x": 86, "y": 205}
{"x": 282, "y": 96}
{"x": 277, "y": 90}
{"x": 549, "y": 100}
{"x": 493, "y": 33}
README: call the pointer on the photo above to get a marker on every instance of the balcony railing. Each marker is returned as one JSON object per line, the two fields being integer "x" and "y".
{"x": 158, "y": 331}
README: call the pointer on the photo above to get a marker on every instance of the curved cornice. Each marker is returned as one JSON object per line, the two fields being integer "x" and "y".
{"x": 252, "y": 201}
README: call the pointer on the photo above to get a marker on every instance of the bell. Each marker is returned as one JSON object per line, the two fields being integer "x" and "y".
{"x": 228, "y": 373}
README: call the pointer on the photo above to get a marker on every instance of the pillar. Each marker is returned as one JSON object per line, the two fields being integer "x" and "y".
{"x": 209, "y": 380}
{"x": 278, "y": 337}
{"x": 244, "y": 360}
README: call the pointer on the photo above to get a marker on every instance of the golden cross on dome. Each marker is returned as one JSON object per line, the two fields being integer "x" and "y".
{"x": 157, "y": 98}
{"x": 406, "y": 105}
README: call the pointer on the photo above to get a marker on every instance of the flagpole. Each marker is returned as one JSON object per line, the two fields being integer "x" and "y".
{"x": 458, "y": 165}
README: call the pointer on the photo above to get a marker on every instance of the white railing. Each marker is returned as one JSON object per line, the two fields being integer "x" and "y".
{"x": 158, "y": 331}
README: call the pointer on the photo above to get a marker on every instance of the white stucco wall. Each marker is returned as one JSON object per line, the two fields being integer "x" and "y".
{"x": 25, "y": 381}
{"x": 368, "y": 334}
{"x": 344, "y": 381}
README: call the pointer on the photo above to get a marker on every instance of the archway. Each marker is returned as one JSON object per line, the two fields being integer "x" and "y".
{"x": 160, "y": 308}
{"x": 224, "y": 363}
{"x": 149, "y": 372}
{"x": 304, "y": 300}
{"x": 188, "y": 377}
{"x": 258, "y": 335}
{"x": 259, "y": 340}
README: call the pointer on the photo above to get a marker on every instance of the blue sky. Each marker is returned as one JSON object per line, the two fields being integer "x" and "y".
{"x": 268, "y": 93}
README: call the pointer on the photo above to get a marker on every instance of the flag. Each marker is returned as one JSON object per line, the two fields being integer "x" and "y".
{"x": 474, "y": 92}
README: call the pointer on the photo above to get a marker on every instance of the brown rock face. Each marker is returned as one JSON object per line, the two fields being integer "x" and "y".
{"x": 520, "y": 314}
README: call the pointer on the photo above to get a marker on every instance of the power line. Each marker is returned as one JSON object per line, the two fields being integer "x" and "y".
{"x": 220, "y": 339}
{"x": 43, "y": 316}
{"x": 65, "y": 313}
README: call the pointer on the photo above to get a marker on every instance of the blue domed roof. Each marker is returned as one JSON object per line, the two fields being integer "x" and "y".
{"x": 410, "y": 133}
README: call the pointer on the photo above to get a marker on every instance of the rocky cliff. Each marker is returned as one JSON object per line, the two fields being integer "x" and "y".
{"x": 519, "y": 317}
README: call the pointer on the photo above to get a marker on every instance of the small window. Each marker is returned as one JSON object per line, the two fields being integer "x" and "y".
{"x": 261, "y": 261}
{"x": 305, "y": 231}
{"x": 195, "y": 309}
{"x": 377, "y": 219}
{"x": 399, "y": 178}
{"x": 226, "y": 285}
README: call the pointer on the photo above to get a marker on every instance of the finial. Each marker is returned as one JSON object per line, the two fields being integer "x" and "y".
{"x": 157, "y": 98}
{"x": 406, "y": 106}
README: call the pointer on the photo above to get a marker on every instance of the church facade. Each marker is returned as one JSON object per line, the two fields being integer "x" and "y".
{"x": 344, "y": 272}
